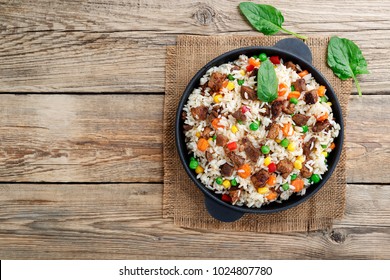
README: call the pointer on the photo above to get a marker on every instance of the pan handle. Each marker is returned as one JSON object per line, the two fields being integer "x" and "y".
{"x": 221, "y": 212}
{"x": 296, "y": 47}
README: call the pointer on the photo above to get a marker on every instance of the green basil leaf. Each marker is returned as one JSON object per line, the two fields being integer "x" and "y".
{"x": 265, "y": 18}
{"x": 346, "y": 59}
{"x": 267, "y": 82}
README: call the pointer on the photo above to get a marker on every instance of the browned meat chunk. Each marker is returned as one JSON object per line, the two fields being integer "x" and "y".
{"x": 254, "y": 73}
{"x": 320, "y": 126}
{"x": 285, "y": 167}
{"x": 183, "y": 115}
{"x": 288, "y": 108}
{"x": 221, "y": 140}
{"x": 273, "y": 131}
{"x": 209, "y": 156}
{"x": 227, "y": 170}
{"x": 216, "y": 81}
{"x": 276, "y": 108}
{"x": 299, "y": 85}
{"x": 300, "y": 119}
{"x": 213, "y": 115}
{"x": 206, "y": 132}
{"x": 187, "y": 127}
{"x": 234, "y": 193}
{"x": 239, "y": 115}
{"x": 248, "y": 93}
{"x": 291, "y": 65}
{"x": 307, "y": 147}
{"x": 199, "y": 113}
{"x": 251, "y": 152}
{"x": 267, "y": 112}
{"x": 236, "y": 159}
{"x": 235, "y": 67}
{"x": 305, "y": 172}
{"x": 311, "y": 97}
{"x": 260, "y": 178}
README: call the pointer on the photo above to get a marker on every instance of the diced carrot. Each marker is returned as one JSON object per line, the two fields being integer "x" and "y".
{"x": 322, "y": 117}
{"x": 298, "y": 184}
{"x": 225, "y": 83}
{"x": 203, "y": 144}
{"x": 244, "y": 171}
{"x": 271, "y": 180}
{"x": 271, "y": 196}
{"x": 332, "y": 146}
{"x": 282, "y": 89}
{"x": 215, "y": 123}
{"x": 286, "y": 129}
{"x": 254, "y": 62}
{"x": 321, "y": 91}
{"x": 303, "y": 73}
{"x": 293, "y": 94}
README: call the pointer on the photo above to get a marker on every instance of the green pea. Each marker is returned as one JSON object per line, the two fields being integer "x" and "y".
{"x": 284, "y": 143}
{"x": 323, "y": 99}
{"x": 192, "y": 158}
{"x": 324, "y": 146}
{"x": 265, "y": 149}
{"x": 315, "y": 178}
{"x": 285, "y": 186}
{"x": 230, "y": 77}
{"x": 294, "y": 100}
{"x": 292, "y": 88}
{"x": 233, "y": 182}
{"x": 255, "y": 56}
{"x": 219, "y": 180}
{"x": 253, "y": 126}
{"x": 263, "y": 57}
{"x": 305, "y": 128}
{"x": 214, "y": 137}
{"x": 240, "y": 121}
{"x": 294, "y": 176}
{"x": 194, "y": 164}
{"x": 240, "y": 82}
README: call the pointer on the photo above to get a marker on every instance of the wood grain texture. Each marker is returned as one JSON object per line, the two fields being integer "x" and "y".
{"x": 124, "y": 221}
{"x": 81, "y": 138}
{"x": 117, "y": 46}
{"x": 118, "y": 138}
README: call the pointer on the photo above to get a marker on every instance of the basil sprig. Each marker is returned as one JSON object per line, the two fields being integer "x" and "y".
{"x": 265, "y": 18}
{"x": 267, "y": 82}
{"x": 346, "y": 60}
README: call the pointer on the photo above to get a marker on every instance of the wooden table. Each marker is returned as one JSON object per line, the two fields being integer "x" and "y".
{"x": 81, "y": 130}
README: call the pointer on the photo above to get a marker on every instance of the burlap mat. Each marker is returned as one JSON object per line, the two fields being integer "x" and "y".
{"x": 183, "y": 201}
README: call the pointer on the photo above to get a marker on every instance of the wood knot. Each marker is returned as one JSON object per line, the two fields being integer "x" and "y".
{"x": 337, "y": 236}
{"x": 204, "y": 15}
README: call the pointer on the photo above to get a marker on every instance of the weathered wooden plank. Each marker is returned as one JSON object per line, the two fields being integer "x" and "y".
{"x": 118, "y": 138}
{"x": 81, "y": 138}
{"x": 124, "y": 221}
{"x": 116, "y": 46}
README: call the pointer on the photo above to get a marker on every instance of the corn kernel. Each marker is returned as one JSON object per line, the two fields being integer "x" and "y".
{"x": 301, "y": 158}
{"x": 217, "y": 98}
{"x": 298, "y": 165}
{"x": 226, "y": 184}
{"x": 197, "y": 134}
{"x": 263, "y": 190}
{"x": 230, "y": 86}
{"x": 291, "y": 147}
{"x": 242, "y": 72}
{"x": 329, "y": 103}
{"x": 210, "y": 139}
{"x": 199, "y": 169}
{"x": 325, "y": 154}
{"x": 277, "y": 140}
{"x": 234, "y": 129}
{"x": 267, "y": 161}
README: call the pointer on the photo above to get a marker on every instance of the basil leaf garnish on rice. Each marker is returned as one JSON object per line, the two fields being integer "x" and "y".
{"x": 267, "y": 82}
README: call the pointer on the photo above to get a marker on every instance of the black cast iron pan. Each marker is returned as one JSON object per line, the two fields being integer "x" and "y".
{"x": 287, "y": 49}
